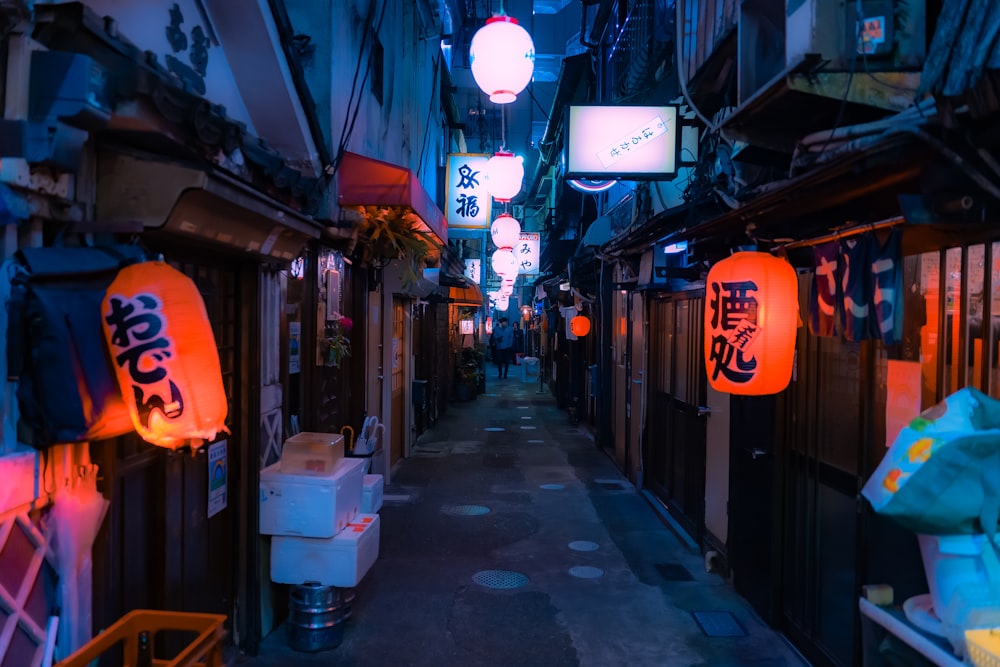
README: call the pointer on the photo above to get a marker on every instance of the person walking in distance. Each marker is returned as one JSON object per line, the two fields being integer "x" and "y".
{"x": 503, "y": 340}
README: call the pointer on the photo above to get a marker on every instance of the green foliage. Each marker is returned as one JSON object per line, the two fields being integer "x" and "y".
{"x": 395, "y": 233}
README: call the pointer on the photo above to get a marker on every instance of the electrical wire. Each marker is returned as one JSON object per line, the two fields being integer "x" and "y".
{"x": 346, "y": 138}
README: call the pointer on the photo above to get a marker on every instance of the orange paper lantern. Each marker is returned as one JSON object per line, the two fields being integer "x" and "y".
{"x": 164, "y": 355}
{"x": 579, "y": 326}
{"x": 751, "y": 313}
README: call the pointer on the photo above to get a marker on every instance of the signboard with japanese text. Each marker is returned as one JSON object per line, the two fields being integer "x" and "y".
{"x": 473, "y": 270}
{"x": 632, "y": 142}
{"x": 528, "y": 253}
{"x": 468, "y": 197}
{"x": 751, "y": 315}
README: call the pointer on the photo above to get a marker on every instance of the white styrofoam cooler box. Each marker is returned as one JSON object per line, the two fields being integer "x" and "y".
{"x": 310, "y": 504}
{"x": 371, "y": 493}
{"x": 342, "y": 560}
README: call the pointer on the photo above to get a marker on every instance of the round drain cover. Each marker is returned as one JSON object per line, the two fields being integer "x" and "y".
{"x": 466, "y": 510}
{"x": 583, "y": 545}
{"x": 586, "y": 572}
{"x": 552, "y": 487}
{"x": 493, "y": 429}
{"x": 528, "y": 428}
{"x": 500, "y": 579}
{"x": 535, "y": 442}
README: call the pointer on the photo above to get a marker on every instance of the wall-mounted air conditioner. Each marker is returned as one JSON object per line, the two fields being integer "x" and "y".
{"x": 776, "y": 37}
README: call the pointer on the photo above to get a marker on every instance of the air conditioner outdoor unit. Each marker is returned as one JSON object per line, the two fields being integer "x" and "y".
{"x": 777, "y": 37}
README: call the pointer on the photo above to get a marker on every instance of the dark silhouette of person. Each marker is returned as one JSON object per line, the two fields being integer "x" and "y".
{"x": 503, "y": 341}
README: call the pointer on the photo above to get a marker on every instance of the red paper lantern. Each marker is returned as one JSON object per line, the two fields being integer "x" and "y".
{"x": 579, "y": 326}
{"x": 751, "y": 314}
{"x": 164, "y": 355}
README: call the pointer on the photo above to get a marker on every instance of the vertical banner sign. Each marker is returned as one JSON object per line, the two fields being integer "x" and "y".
{"x": 751, "y": 313}
{"x": 855, "y": 260}
{"x": 528, "y": 253}
{"x": 468, "y": 196}
{"x": 218, "y": 477}
{"x": 887, "y": 289}
{"x": 473, "y": 270}
{"x": 824, "y": 299}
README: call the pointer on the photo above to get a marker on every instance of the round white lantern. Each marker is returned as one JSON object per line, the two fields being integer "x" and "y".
{"x": 503, "y": 58}
{"x": 506, "y": 290}
{"x": 505, "y": 231}
{"x": 505, "y": 171}
{"x": 504, "y": 262}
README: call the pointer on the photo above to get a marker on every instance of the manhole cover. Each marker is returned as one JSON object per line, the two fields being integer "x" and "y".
{"x": 527, "y": 417}
{"x": 535, "y": 442}
{"x": 466, "y": 510}
{"x": 552, "y": 487}
{"x": 718, "y": 624}
{"x": 583, "y": 545}
{"x": 493, "y": 429}
{"x": 500, "y": 579}
{"x": 528, "y": 428}
{"x": 522, "y": 407}
{"x": 586, "y": 572}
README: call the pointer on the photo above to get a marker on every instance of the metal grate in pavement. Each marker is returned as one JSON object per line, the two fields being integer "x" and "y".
{"x": 718, "y": 624}
{"x": 500, "y": 579}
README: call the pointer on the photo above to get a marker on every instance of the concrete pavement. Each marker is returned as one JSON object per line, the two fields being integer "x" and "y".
{"x": 509, "y": 539}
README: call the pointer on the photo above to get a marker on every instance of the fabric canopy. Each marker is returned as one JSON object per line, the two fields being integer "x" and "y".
{"x": 466, "y": 296}
{"x": 364, "y": 181}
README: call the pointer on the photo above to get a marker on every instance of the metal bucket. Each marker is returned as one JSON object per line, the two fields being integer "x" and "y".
{"x": 315, "y": 618}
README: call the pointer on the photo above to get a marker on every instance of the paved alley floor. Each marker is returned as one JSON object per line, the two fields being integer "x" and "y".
{"x": 509, "y": 539}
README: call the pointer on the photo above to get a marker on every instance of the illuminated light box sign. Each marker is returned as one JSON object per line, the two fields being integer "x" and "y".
{"x": 468, "y": 192}
{"x": 528, "y": 253}
{"x": 631, "y": 142}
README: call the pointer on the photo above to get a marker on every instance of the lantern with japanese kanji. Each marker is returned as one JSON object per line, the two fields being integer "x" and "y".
{"x": 164, "y": 355}
{"x": 579, "y": 326}
{"x": 751, "y": 314}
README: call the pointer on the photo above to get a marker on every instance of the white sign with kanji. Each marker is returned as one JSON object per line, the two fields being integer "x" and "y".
{"x": 528, "y": 253}
{"x": 468, "y": 196}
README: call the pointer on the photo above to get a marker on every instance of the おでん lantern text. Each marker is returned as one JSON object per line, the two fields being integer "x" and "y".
{"x": 164, "y": 355}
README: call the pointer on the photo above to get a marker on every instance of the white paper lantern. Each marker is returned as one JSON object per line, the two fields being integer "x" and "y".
{"x": 502, "y": 57}
{"x": 504, "y": 263}
{"x": 505, "y": 231}
{"x": 505, "y": 171}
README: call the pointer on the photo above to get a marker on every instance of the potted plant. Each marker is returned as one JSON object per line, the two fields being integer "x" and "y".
{"x": 468, "y": 372}
{"x": 338, "y": 345}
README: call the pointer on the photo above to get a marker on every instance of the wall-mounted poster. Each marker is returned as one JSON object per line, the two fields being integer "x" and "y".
{"x": 294, "y": 343}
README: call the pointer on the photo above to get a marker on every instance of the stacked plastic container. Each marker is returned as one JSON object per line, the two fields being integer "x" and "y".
{"x": 312, "y": 503}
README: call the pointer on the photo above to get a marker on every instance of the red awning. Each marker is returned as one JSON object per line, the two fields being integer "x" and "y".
{"x": 363, "y": 181}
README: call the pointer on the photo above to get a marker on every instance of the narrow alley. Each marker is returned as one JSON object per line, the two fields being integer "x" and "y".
{"x": 510, "y": 539}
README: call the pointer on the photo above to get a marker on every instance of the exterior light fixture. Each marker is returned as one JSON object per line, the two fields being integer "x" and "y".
{"x": 580, "y": 326}
{"x": 751, "y": 314}
{"x": 588, "y": 186}
{"x": 503, "y": 58}
{"x": 505, "y": 171}
{"x": 504, "y": 263}
{"x": 166, "y": 362}
{"x": 525, "y": 312}
{"x": 505, "y": 231}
